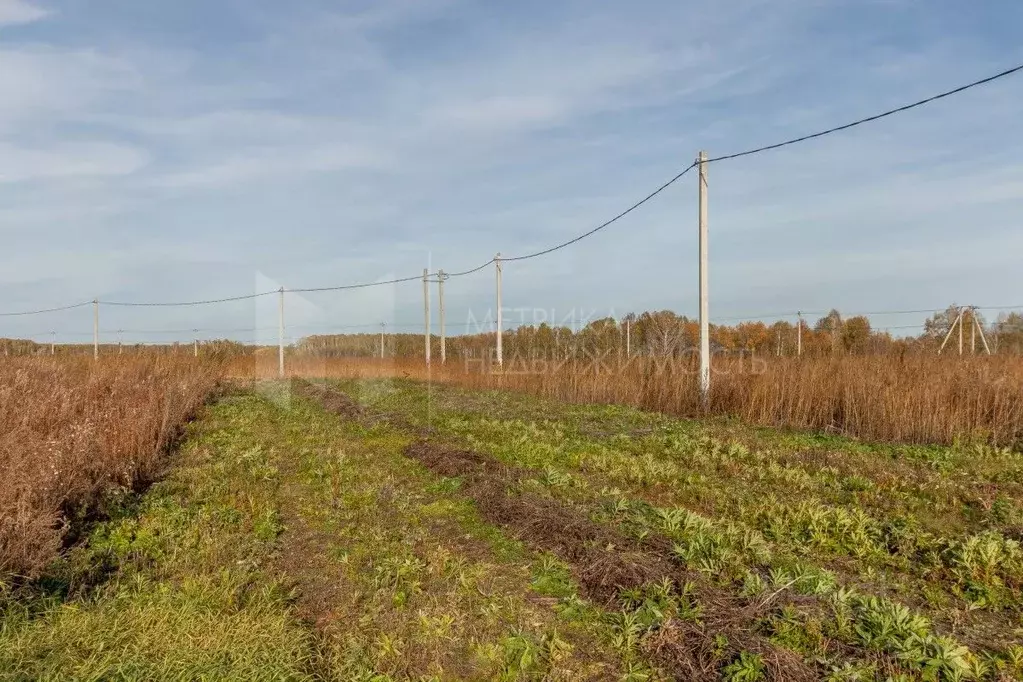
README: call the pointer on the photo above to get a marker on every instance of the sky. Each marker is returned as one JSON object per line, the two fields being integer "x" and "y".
{"x": 187, "y": 150}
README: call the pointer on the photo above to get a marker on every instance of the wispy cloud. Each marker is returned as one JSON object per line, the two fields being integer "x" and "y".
{"x": 13, "y": 12}
{"x": 68, "y": 160}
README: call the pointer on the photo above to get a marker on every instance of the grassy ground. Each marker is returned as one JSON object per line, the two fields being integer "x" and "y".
{"x": 288, "y": 544}
{"x": 391, "y": 530}
{"x": 911, "y": 553}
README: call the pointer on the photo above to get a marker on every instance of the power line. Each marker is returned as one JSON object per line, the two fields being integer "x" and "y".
{"x": 901, "y": 326}
{"x": 600, "y": 227}
{"x": 186, "y": 303}
{"x": 869, "y": 119}
{"x": 375, "y": 325}
{"x": 356, "y": 286}
{"x": 584, "y": 235}
{"x": 194, "y": 330}
{"x": 47, "y": 310}
{"x": 201, "y": 330}
{"x": 847, "y": 315}
{"x": 756, "y": 318}
{"x": 469, "y": 272}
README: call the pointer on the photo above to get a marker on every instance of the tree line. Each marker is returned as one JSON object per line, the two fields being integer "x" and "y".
{"x": 666, "y": 334}
{"x": 661, "y": 333}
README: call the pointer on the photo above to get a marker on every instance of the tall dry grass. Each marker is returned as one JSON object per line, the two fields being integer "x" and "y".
{"x": 71, "y": 428}
{"x": 911, "y": 398}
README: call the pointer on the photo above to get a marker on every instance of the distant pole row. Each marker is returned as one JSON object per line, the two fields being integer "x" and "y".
{"x": 701, "y": 162}
{"x": 975, "y": 327}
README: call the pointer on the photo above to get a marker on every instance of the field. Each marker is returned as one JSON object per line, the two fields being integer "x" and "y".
{"x": 376, "y": 528}
{"x": 916, "y": 398}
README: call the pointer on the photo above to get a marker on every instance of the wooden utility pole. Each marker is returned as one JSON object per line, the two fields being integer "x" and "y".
{"x": 383, "y": 325}
{"x": 978, "y": 327}
{"x": 53, "y": 342}
{"x": 973, "y": 332}
{"x": 704, "y": 307}
{"x": 426, "y": 314}
{"x": 960, "y": 331}
{"x": 500, "y": 318}
{"x": 957, "y": 322}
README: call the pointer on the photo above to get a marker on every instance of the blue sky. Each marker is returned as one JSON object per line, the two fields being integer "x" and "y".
{"x": 187, "y": 150}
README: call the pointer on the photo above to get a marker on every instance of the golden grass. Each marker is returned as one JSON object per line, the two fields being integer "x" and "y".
{"x": 71, "y": 428}
{"x": 911, "y": 398}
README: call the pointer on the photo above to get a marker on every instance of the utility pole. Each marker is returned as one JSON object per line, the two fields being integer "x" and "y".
{"x": 778, "y": 336}
{"x": 195, "y": 344}
{"x": 383, "y": 325}
{"x": 53, "y": 342}
{"x": 704, "y": 307}
{"x": 426, "y": 314}
{"x": 958, "y": 322}
{"x": 799, "y": 334}
{"x": 961, "y": 310}
{"x": 280, "y": 334}
{"x": 628, "y": 337}
{"x": 120, "y": 347}
{"x": 95, "y": 329}
{"x": 973, "y": 332}
{"x": 980, "y": 328}
{"x": 500, "y": 318}
{"x": 440, "y": 306}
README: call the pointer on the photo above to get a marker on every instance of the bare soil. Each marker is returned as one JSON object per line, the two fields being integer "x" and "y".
{"x": 606, "y": 563}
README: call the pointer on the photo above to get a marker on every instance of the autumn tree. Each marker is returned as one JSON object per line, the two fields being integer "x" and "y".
{"x": 856, "y": 334}
{"x": 829, "y": 327}
{"x": 1008, "y": 333}
{"x": 751, "y": 335}
{"x": 723, "y": 337}
{"x": 600, "y": 336}
{"x": 936, "y": 327}
{"x": 662, "y": 332}
{"x": 783, "y": 334}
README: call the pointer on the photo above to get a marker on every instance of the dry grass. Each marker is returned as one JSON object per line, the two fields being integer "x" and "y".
{"x": 71, "y": 429}
{"x": 912, "y": 398}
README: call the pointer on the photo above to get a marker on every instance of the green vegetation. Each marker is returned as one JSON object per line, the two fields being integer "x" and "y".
{"x": 290, "y": 545}
{"x": 419, "y": 533}
{"x": 910, "y": 552}
{"x": 178, "y": 586}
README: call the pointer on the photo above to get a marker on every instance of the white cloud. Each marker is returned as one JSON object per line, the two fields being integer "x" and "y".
{"x": 256, "y": 163}
{"x": 41, "y": 85}
{"x": 14, "y": 12}
{"x": 18, "y": 164}
{"x": 499, "y": 112}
